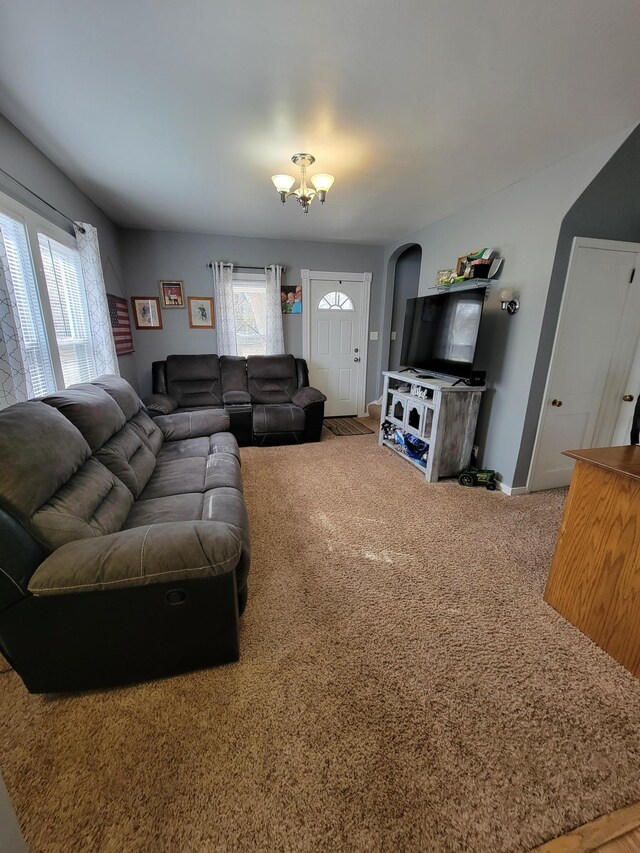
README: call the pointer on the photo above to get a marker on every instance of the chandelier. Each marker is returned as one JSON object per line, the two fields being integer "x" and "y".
{"x": 303, "y": 193}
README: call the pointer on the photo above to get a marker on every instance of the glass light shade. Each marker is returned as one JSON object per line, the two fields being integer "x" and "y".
{"x": 283, "y": 183}
{"x": 322, "y": 182}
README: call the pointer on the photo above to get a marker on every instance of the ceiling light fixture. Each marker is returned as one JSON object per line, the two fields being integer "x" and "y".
{"x": 303, "y": 193}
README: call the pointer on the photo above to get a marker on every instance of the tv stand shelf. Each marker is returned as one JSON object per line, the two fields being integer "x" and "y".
{"x": 442, "y": 414}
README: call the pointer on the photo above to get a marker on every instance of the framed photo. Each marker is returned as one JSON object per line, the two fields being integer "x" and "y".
{"x": 146, "y": 312}
{"x": 201, "y": 312}
{"x": 172, "y": 294}
{"x": 291, "y": 298}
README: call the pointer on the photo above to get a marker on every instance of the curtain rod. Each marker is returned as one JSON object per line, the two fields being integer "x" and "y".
{"x": 43, "y": 200}
{"x": 245, "y": 267}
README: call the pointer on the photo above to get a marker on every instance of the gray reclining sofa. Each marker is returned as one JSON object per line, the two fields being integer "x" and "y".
{"x": 124, "y": 541}
{"x": 267, "y": 397}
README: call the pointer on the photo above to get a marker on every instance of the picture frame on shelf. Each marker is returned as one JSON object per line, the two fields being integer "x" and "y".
{"x": 172, "y": 294}
{"x": 201, "y": 314}
{"x": 146, "y": 312}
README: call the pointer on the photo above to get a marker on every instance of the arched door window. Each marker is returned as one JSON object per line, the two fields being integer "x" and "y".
{"x": 336, "y": 301}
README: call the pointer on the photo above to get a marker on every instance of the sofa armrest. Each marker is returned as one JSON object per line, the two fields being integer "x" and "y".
{"x": 156, "y": 553}
{"x": 306, "y": 396}
{"x": 236, "y": 398}
{"x": 161, "y": 404}
{"x": 180, "y": 425}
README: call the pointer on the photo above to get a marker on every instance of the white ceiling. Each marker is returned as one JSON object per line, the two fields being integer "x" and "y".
{"x": 175, "y": 115}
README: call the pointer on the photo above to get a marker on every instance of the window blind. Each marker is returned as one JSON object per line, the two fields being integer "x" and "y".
{"x": 68, "y": 302}
{"x": 39, "y": 366}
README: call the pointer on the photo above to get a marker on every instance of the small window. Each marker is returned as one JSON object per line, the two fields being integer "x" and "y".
{"x": 250, "y": 311}
{"x": 336, "y": 301}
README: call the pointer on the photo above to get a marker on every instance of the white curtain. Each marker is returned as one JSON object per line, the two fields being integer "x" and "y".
{"x": 101, "y": 336}
{"x": 15, "y": 384}
{"x": 224, "y": 308}
{"x": 274, "y": 335}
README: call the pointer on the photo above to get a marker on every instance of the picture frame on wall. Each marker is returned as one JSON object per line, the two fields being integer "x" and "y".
{"x": 291, "y": 298}
{"x": 172, "y": 294}
{"x": 120, "y": 324}
{"x": 146, "y": 312}
{"x": 201, "y": 314}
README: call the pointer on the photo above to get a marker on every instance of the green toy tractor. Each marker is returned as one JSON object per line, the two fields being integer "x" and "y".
{"x": 478, "y": 477}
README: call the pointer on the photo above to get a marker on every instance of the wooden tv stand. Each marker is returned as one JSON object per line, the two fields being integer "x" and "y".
{"x": 594, "y": 580}
{"x": 445, "y": 417}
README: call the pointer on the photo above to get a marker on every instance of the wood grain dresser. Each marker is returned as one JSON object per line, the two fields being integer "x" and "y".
{"x": 594, "y": 580}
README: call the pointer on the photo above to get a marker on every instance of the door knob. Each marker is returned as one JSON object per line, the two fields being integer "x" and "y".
{"x": 356, "y": 359}
{"x": 556, "y": 403}
{"x": 628, "y": 398}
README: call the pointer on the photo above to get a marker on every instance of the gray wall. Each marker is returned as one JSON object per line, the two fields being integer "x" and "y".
{"x": 28, "y": 164}
{"x": 405, "y": 286}
{"x": 609, "y": 209}
{"x": 149, "y": 256}
{"x": 523, "y": 222}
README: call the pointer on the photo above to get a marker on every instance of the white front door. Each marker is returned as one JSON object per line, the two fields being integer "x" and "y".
{"x": 337, "y": 342}
{"x": 597, "y": 331}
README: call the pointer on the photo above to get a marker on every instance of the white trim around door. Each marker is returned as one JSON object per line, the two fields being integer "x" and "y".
{"x": 365, "y": 279}
{"x": 578, "y": 243}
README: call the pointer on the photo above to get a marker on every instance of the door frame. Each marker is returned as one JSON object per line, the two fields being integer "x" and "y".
{"x": 363, "y": 278}
{"x": 578, "y": 243}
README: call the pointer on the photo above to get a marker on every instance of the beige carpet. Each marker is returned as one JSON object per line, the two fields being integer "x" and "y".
{"x": 403, "y": 687}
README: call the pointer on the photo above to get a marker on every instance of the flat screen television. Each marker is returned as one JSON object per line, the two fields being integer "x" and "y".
{"x": 441, "y": 332}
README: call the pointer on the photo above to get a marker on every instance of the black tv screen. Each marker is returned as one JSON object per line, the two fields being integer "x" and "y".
{"x": 441, "y": 331}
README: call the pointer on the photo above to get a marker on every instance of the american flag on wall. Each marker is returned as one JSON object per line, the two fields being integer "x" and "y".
{"x": 120, "y": 324}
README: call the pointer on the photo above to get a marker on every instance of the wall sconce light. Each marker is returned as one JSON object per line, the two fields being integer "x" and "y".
{"x": 509, "y": 302}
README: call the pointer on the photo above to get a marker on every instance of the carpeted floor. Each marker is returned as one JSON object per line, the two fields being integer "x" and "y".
{"x": 403, "y": 687}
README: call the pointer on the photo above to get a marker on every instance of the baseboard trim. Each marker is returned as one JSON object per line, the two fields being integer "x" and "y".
{"x": 512, "y": 491}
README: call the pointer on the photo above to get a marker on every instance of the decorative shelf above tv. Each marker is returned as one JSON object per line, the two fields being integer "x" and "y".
{"x": 444, "y": 419}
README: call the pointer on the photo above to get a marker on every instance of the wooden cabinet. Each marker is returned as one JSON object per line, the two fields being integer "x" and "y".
{"x": 594, "y": 580}
{"x": 441, "y": 413}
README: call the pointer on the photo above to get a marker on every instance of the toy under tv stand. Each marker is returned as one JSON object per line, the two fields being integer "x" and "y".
{"x": 445, "y": 417}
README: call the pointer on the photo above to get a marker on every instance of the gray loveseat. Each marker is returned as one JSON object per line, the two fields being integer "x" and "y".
{"x": 267, "y": 397}
{"x": 124, "y": 541}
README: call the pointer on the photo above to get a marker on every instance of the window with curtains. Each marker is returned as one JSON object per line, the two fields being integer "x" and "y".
{"x": 250, "y": 311}
{"x": 51, "y": 301}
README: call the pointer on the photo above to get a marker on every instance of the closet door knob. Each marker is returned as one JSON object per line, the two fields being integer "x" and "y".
{"x": 628, "y": 398}
{"x": 556, "y": 403}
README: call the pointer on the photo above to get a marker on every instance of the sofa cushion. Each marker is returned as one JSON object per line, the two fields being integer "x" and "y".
{"x": 223, "y": 470}
{"x": 224, "y": 442}
{"x": 203, "y": 422}
{"x": 128, "y": 457}
{"x": 92, "y": 502}
{"x": 158, "y": 553}
{"x": 176, "y": 477}
{"x": 223, "y": 504}
{"x": 184, "y": 449}
{"x": 120, "y": 390}
{"x": 278, "y": 419}
{"x": 91, "y": 410}
{"x": 233, "y": 370}
{"x": 148, "y": 431}
{"x": 51, "y": 450}
{"x": 187, "y": 507}
{"x": 194, "y": 380}
{"x": 221, "y": 442}
{"x": 272, "y": 378}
